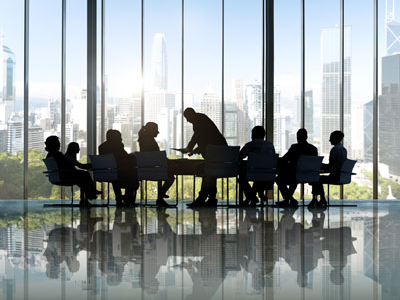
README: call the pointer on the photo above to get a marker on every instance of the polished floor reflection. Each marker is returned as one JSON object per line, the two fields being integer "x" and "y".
{"x": 145, "y": 253}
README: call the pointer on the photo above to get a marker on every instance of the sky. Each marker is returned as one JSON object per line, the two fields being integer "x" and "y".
{"x": 202, "y": 45}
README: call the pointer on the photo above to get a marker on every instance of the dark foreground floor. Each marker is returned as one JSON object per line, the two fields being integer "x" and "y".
{"x": 145, "y": 253}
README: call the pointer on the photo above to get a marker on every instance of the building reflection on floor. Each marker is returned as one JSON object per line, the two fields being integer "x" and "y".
{"x": 204, "y": 253}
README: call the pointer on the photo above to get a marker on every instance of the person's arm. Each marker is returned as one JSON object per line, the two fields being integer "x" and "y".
{"x": 192, "y": 143}
{"x": 244, "y": 152}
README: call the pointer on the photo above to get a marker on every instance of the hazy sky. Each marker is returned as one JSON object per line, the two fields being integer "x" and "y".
{"x": 202, "y": 43}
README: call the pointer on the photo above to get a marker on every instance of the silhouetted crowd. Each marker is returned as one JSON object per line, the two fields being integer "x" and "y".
{"x": 205, "y": 133}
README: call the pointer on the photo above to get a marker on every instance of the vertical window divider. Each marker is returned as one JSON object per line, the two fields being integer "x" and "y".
{"x": 341, "y": 104}
{"x": 26, "y": 95}
{"x": 142, "y": 62}
{"x": 269, "y": 69}
{"x": 63, "y": 81}
{"x": 223, "y": 70}
{"x": 182, "y": 87}
{"x": 375, "y": 133}
{"x": 263, "y": 64}
{"x": 303, "y": 80}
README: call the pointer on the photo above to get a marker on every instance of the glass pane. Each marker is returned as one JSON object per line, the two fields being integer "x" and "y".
{"x": 389, "y": 110}
{"x": 122, "y": 69}
{"x": 322, "y": 74}
{"x": 44, "y": 90}
{"x": 243, "y": 69}
{"x": 287, "y": 118}
{"x": 358, "y": 87}
{"x": 11, "y": 98}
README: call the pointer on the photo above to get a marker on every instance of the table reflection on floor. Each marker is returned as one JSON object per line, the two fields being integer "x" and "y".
{"x": 101, "y": 253}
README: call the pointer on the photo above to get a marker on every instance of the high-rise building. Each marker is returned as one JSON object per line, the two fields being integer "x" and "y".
{"x": 368, "y": 131}
{"x": 389, "y": 112}
{"x": 243, "y": 132}
{"x": 392, "y": 29}
{"x": 211, "y": 106}
{"x": 159, "y": 70}
{"x": 15, "y": 134}
{"x": 3, "y": 138}
{"x": 331, "y": 79}
{"x": 231, "y": 123}
{"x": 7, "y": 82}
{"x": 308, "y": 114}
{"x": 35, "y": 138}
{"x": 253, "y": 97}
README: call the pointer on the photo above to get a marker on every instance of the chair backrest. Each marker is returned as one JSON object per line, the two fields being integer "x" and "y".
{"x": 346, "y": 171}
{"x": 152, "y": 165}
{"x": 221, "y": 161}
{"x": 104, "y": 167}
{"x": 52, "y": 170}
{"x": 308, "y": 168}
{"x": 261, "y": 166}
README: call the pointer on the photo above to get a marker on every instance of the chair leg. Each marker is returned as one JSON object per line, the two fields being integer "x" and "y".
{"x": 328, "y": 194}
{"x": 236, "y": 192}
{"x": 194, "y": 187}
{"x": 145, "y": 192}
{"x": 108, "y": 194}
{"x": 227, "y": 189}
{"x": 72, "y": 195}
{"x": 176, "y": 188}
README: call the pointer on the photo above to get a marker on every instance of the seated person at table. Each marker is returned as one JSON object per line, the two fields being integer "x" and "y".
{"x": 147, "y": 142}
{"x": 337, "y": 157}
{"x": 126, "y": 164}
{"x": 257, "y": 144}
{"x": 68, "y": 170}
{"x": 287, "y": 167}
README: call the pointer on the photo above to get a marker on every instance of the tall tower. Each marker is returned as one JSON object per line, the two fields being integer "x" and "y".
{"x": 392, "y": 29}
{"x": 330, "y": 67}
{"x": 159, "y": 80}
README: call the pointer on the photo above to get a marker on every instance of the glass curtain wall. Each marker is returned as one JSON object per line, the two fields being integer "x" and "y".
{"x": 222, "y": 82}
{"x": 11, "y": 99}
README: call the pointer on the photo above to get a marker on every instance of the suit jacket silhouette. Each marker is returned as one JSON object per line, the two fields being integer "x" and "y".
{"x": 205, "y": 132}
{"x": 289, "y": 160}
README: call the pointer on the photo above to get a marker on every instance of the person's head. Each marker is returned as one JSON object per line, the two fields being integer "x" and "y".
{"x": 302, "y": 135}
{"x": 337, "y": 276}
{"x": 73, "y": 148}
{"x": 113, "y": 135}
{"x": 151, "y": 129}
{"x": 52, "y": 143}
{"x": 336, "y": 137}
{"x": 258, "y": 132}
{"x": 189, "y": 114}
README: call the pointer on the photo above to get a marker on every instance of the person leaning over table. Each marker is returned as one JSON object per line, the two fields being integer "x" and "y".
{"x": 147, "y": 142}
{"x": 205, "y": 133}
{"x": 256, "y": 145}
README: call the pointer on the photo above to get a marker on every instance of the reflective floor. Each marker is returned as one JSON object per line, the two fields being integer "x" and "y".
{"x": 145, "y": 253}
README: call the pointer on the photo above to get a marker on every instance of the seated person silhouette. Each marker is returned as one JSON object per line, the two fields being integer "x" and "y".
{"x": 147, "y": 142}
{"x": 205, "y": 133}
{"x": 66, "y": 164}
{"x": 257, "y": 144}
{"x": 287, "y": 167}
{"x": 126, "y": 164}
{"x": 337, "y": 157}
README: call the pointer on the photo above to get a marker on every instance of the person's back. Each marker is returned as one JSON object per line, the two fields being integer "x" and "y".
{"x": 207, "y": 133}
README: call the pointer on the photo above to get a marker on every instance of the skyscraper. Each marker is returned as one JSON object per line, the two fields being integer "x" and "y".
{"x": 389, "y": 111}
{"x": 159, "y": 70}
{"x": 308, "y": 113}
{"x": 331, "y": 73}
{"x": 254, "y": 103}
{"x": 368, "y": 127}
{"x": 211, "y": 106}
{"x": 392, "y": 29}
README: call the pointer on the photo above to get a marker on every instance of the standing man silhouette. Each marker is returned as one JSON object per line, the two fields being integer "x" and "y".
{"x": 205, "y": 133}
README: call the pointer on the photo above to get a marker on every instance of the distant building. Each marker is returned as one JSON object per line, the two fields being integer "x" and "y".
{"x": 231, "y": 124}
{"x": 368, "y": 131}
{"x": 15, "y": 136}
{"x": 211, "y": 106}
{"x": 159, "y": 79}
{"x": 35, "y": 138}
{"x": 331, "y": 78}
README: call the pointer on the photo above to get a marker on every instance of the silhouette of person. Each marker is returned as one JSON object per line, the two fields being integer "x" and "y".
{"x": 147, "y": 142}
{"x": 287, "y": 167}
{"x": 337, "y": 157}
{"x": 66, "y": 165}
{"x": 70, "y": 157}
{"x": 205, "y": 133}
{"x": 256, "y": 145}
{"x": 127, "y": 175}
